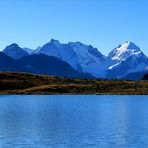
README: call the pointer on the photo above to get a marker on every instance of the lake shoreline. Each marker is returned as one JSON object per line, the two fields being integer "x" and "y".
{"x": 26, "y": 83}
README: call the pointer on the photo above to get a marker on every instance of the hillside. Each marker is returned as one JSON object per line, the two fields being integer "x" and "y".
{"x": 25, "y": 83}
{"x": 145, "y": 77}
{"x": 40, "y": 64}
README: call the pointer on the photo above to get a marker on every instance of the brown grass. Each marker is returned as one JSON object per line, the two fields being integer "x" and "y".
{"x": 25, "y": 83}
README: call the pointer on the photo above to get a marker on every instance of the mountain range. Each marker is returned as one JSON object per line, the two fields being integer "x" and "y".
{"x": 76, "y": 60}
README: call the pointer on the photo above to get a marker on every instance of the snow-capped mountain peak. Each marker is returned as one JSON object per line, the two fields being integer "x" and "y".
{"x": 53, "y": 41}
{"x": 81, "y": 57}
{"x": 128, "y": 58}
{"x": 15, "y": 51}
{"x": 122, "y": 52}
{"x": 12, "y": 46}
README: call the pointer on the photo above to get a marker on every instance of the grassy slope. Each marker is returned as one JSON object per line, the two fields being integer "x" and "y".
{"x": 24, "y": 83}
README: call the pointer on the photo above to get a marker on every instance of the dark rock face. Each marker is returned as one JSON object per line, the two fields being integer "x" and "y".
{"x": 145, "y": 77}
{"x": 9, "y": 64}
{"x": 43, "y": 64}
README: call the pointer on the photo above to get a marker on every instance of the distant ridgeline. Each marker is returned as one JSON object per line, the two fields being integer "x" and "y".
{"x": 76, "y": 60}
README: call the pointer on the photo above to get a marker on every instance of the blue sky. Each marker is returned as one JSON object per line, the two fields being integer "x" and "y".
{"x": 102, "y": 23}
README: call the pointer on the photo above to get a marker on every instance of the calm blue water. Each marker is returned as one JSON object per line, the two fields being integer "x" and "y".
{"x": 73, "y": 121}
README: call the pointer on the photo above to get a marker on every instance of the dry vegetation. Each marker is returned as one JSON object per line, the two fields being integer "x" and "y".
{"x": 24, "y": 83}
